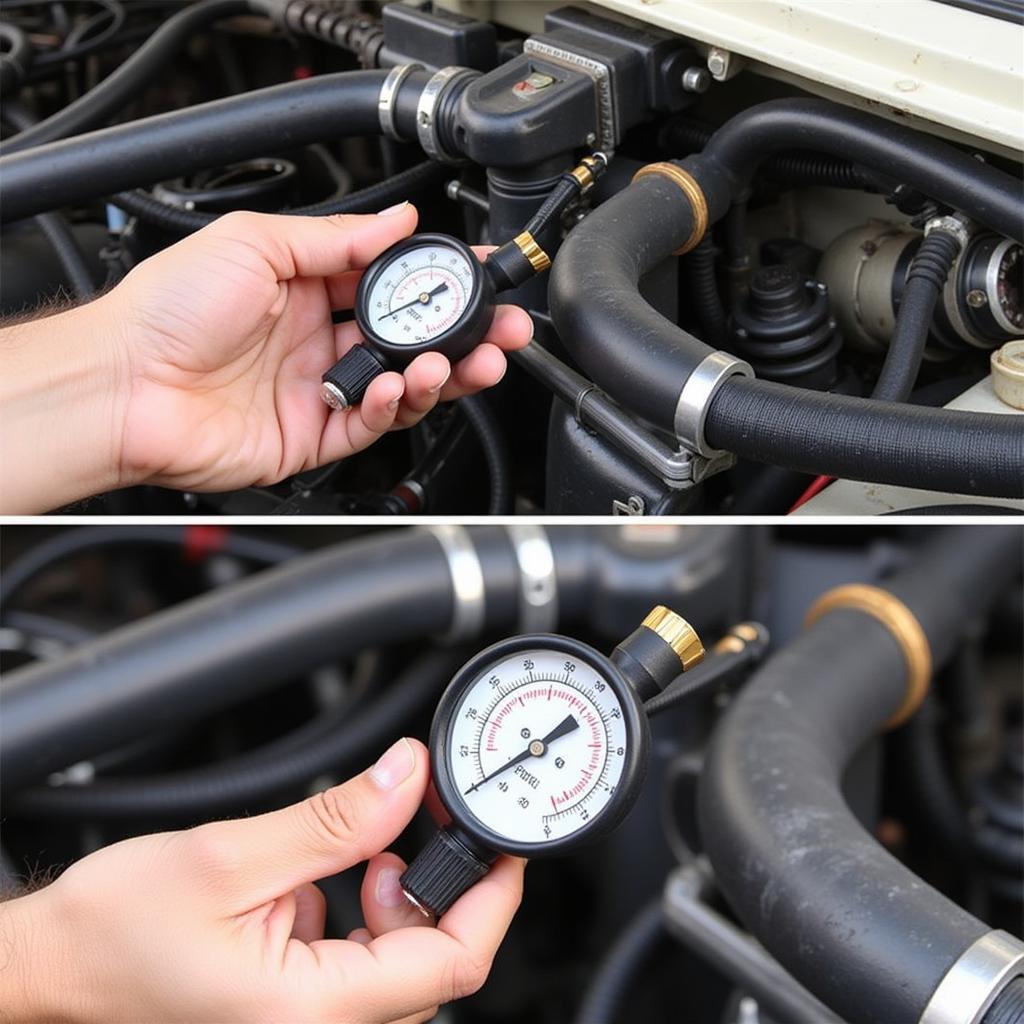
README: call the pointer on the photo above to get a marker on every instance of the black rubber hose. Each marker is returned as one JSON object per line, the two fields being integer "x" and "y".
{"x": 16, "y": 59}
{"x": 185, "y": 662}
{"x": 605, "y": 1000}
{"x": 860, "y": 439}
{"x": 76, "y": 45}
{"x": 337, "y": 743}
{"x": 126, "y": 83}
{"x": 375, "y": 197}
{"x": 941, "y": 171}
{"x": 492, "y": 440}
{"x": 842, "y": 915}
{"x": 223, "y": 131}
{"x": 707, "y": 303}
{"x": 68, "y": 543}
{"x": 595, "y": 304}
{"x": 926, "y": 278}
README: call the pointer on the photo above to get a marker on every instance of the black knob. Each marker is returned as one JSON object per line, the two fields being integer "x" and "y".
{"x": 442, "y": 871}
{"x": 345, "y": 383}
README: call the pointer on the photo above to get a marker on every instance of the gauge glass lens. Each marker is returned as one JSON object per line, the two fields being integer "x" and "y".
{"x": 1010, "y": 287}
{"x": 537, "y": 746}
{"x": 420, "y": 294}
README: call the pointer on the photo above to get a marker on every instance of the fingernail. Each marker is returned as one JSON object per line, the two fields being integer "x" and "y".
{"x": 394, "y": 766}
{"x": 393, "y": 404}
{"x": 437, "y": 387}
{"x": 388, "y": 891}
{"x": 391, "y": 210}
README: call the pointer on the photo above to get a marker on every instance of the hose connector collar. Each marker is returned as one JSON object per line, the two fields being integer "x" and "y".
{"x": 695, "y": 400}
{"x": 693, "y": 192}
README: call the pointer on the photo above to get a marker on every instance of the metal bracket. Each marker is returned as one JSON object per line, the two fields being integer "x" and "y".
{"x": 538, "y": 582}
{"x": 601, "y": 77}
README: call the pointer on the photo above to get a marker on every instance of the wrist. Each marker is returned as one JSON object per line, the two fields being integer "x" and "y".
{"x": 63, "y": 394}
{"x": 35, "y": 984}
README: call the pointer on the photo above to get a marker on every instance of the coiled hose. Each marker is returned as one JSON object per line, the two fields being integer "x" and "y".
{"x": 492, "y": 441}
{"x": 124, "y": 85}
{"x": 375, "y": 197}
{"x": 337, "y": 743}
{"x": 925, "y": 280}
{"x": 617, "y": 972}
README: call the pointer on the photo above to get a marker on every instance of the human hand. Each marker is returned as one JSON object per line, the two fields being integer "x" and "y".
{"x": 222, "y": 922}
{"x": 227, "y": 334}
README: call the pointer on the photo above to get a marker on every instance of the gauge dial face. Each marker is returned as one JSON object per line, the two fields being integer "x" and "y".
{"x": 537, "y": 746}
{"x": 422, "y": 293}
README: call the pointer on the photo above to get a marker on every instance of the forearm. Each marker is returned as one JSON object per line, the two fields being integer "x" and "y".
{"x": 34, "y": 986}
{"x": 63, "y": 391}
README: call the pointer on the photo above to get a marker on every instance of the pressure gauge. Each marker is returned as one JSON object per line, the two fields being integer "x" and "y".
{"x": 990, "y": 288}
{"x": 540, "y": 744}
{"x": 427, "y": 293}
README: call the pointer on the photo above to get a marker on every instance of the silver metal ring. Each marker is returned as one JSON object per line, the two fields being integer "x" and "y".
{"x": 538, "y": 582}
{"x": 468, "y": 606}
{"x": 953, "y": 225}
{"x": 695, "y": 398}
{"x": 426, "y": 111}
{"x": 386, "y": 99}
{"x": 971, "y": 985}
{"x": 992, "y": 286}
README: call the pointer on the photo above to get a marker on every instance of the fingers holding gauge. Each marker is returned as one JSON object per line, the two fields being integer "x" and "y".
{"x": 427, "y": 293}
{"x": 539, "y": 745}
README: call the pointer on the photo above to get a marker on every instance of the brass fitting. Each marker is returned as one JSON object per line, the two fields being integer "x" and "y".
{"x": 901, "y": 622}
{"x": 698, "y": 204}
{"x": 677, "y": 633}
{"x": 537, "y": 257}
{"x": 737, "y": 638}
{"x": 586, "y": 173}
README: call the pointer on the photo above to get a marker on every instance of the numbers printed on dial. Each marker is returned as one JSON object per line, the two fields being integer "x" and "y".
{"x": 421, "y": 295}
{"x": 543, "y": 743}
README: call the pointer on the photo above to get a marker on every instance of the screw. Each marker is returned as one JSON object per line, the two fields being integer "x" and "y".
{"x": 696, "y": 79}
{"x": 976, "y": 298}
{"x": 718, "y": 61}
{"x": 590, "y": 139}
{"x": 452, "y": 190}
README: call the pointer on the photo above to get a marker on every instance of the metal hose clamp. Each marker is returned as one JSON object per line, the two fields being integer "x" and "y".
{"x": 427, "y": 123}
{"x": 388, "y": 94}
{"x": 972, "y": 984}
{"x": 538, "y": 582}
{"x": 695, "y": 399}
{"x": 468, "y": 604}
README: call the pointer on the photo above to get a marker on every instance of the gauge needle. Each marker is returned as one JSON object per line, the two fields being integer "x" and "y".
{"x": 422, "y": 299}
{"x": 536, "y": 748}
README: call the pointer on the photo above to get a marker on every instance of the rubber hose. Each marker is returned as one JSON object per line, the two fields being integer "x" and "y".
{"x": 125, "y": 84}
{"x": 185, "y": 662}
{"x": 926, "y": 278}
{"x": 842, "y": 915}
{"x": 615, "y": 975}
{"x": 707, "y": 303}
{"x": 941, "y": 171}
{"x": 1008, "y": 1006}
{"x": 16, "y": 59}
{"x": 337, "y": 743}
{"x": 61, "y": 546}
{"x": 492, "y": 441}
{"x": 595, "y": 303}
{"x": 179, "y": 142}
{"x": 375, "y": 197}
{"x": 74, "y": 49}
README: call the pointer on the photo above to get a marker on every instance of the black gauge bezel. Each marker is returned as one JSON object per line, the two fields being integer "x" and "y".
{"x": 461, "y": 338}
{"x": 633, "y": 770}
{"x": 978, "y": 270}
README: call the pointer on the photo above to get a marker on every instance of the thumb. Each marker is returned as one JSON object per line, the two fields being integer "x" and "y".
{"x": 297, "y": 246}
{"x": 251, "y": 861}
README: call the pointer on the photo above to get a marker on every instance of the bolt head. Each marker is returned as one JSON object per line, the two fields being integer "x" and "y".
{"x": 590, "y": 139}
{"x": 696, "y": 79}
{"x": 976, "y": 298}
{"x": 718, "y": 61}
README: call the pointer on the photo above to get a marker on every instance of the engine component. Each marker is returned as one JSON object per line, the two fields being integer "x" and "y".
{"x": 784, "y": 330}
{"x": 558, "y": 723}
{"x": 982, "y": 301}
